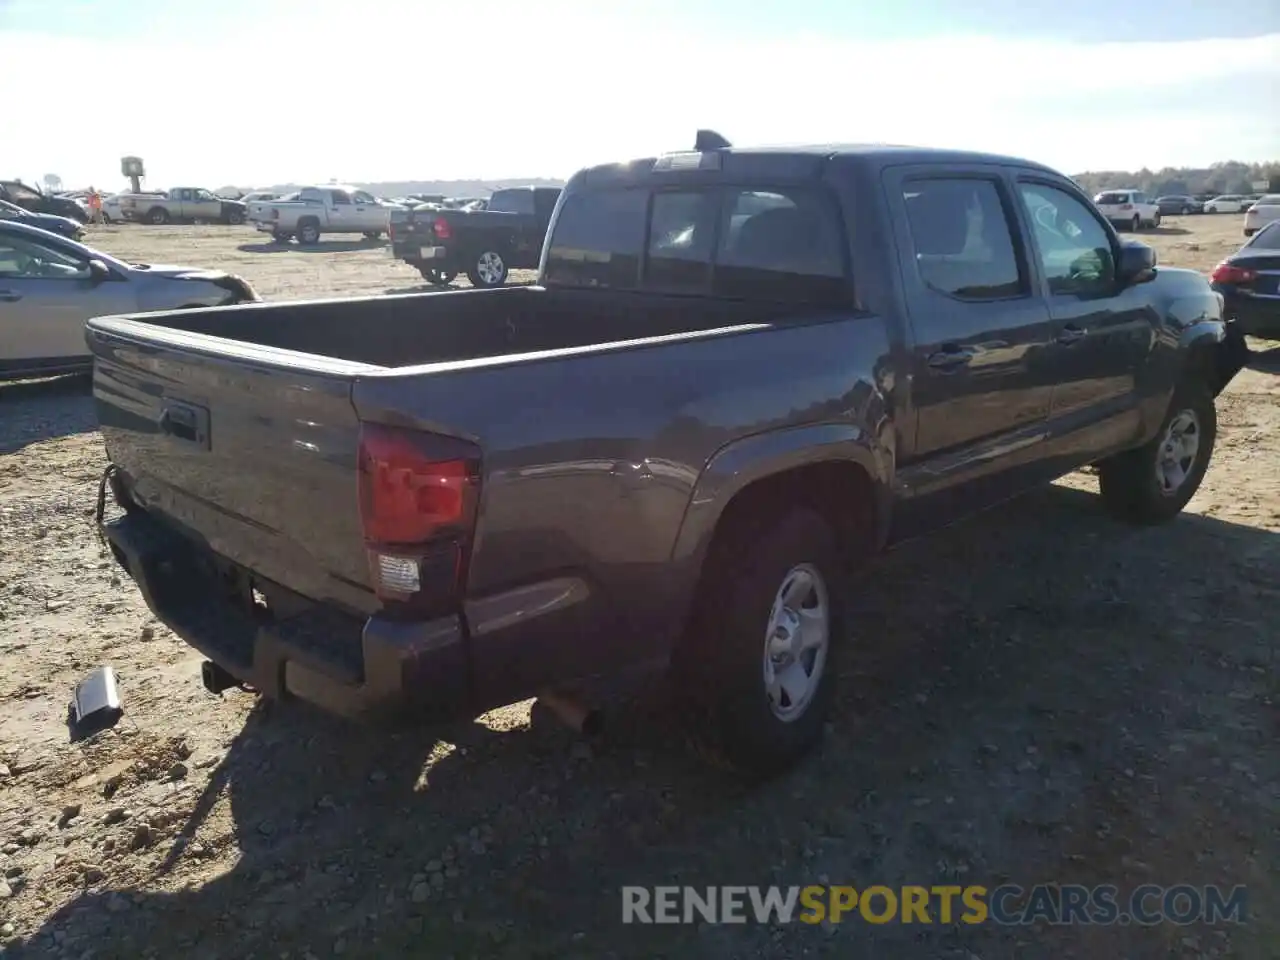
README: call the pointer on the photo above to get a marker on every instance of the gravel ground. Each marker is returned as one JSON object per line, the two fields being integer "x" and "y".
{"x": 1037, "y": 695}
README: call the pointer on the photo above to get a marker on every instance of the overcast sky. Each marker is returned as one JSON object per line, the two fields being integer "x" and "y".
{"x": 294, "y": 90}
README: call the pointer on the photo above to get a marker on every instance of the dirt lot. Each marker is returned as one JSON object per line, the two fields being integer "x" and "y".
{"x": 1036, "y": 695}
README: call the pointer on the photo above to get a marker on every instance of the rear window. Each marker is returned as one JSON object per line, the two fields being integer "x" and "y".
{"x": 783, "y": 245}
{"x": 1112, "y": 197}
{"x": 511, "y": 201}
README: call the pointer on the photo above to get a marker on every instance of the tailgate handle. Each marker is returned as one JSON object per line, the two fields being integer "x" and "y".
{"x": 186, "y": 422}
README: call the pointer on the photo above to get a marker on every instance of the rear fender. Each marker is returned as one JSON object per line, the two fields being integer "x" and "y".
{"x": 743, "y": 462}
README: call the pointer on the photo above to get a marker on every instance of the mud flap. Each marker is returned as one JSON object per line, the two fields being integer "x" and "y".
{"x": 1230, "y": 356}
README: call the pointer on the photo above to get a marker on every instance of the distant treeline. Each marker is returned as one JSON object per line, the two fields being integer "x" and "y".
{"x": 1228, "y": 177}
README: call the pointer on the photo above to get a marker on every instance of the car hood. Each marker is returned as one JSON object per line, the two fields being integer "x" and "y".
{"x": 175, "y": 272}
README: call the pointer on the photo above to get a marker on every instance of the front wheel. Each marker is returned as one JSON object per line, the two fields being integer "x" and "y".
{"x": 488, "y": 270}
{"x": 235, "y": 218}
{"x": 760, "y": 649}
{"x": 308, "y": 232}
{"x": 1153, "y": 483}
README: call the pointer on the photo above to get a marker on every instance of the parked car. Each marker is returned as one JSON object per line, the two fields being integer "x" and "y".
{"x": 259, "y": 196}
{"x": 1265, "y": 210}
{"x": 315, "y": 211}
{"x": 666, "y": 454}
{"x": 1227, "y": 203}
{"x": 1179, "y": 204}
{"x": 485, "y": 244}
{"x": 1249, "y": 281}
{"x": 32, "y": 198}
{"x": 50, "y": 285}
{"x": 181, "y": 205}
{"x": 63, "y": 226}
{"x": 1128, "y": 209}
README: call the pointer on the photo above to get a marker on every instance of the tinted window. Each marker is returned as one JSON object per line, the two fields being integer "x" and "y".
{"x": 781, "y": 245}
{"x": 512, "y": 201}
{"x": 681, "y": 237}
{"x": 21, "y": 194}
{"x": 204, "y": 195}
{"x": 361, "y": 197}
{"x": 1073, "y": 247}
{"x": 340, "y": 197}
{"x": 962, "y": 240}
{"x": 21, "y": 257}
{"x": 1268, "y": 238}
{"x": 1110, "y": 198}
{"x": 598, "y": 239}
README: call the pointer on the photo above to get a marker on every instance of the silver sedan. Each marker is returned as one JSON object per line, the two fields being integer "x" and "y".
{"x": 50, "y": 285}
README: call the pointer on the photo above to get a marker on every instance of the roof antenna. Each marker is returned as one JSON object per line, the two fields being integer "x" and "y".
{"x": 710, "y": 140}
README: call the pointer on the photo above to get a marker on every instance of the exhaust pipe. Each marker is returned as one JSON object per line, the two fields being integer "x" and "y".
{"x": 216, "y": 679}
{"x": 574, "y": 714}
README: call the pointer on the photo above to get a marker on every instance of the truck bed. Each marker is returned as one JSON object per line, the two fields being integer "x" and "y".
{"x": 416, "y": 329}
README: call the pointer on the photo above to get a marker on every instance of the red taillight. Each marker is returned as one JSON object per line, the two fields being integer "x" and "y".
{"x": 1229, "y": 273}
{"x": 418, "y": 495}
{"x": 442, "y": 229}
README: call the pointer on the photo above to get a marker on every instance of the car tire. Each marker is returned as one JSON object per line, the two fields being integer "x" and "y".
{"x": 372, "y": 234}
{"x": 1248, "y": 232}
{"x": 488, "y": 270}
{"x": 1155, "y": 222}
{"x": 1136, "y": 223}
{"x": 158, "y": 216}
{"x": 1152, "y": 484}
{"x": 235, "y": 218}
{"x": 438, "y": 277}
{"x": 743, "y": 631}
{"x": 308, "y": 231}
{"x": 1186, "y": 211}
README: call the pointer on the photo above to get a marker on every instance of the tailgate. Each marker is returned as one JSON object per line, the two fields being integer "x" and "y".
{"x": 249, "y": 448}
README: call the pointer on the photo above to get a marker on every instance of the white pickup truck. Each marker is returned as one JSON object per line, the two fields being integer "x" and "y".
{"x": 1128, "y": 209}
{"x": 313, "y": 211}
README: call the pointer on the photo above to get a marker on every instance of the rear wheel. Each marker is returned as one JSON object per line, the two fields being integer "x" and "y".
{"x": 758, "y": 666}
{"x": 1136, "y": 224}
{"x": 158, "y": 215}
{"x": 488, "y": 270}
{"x": 1153, "y": 483}
{"x": 372, "y": 234}
{"x": 308, "y": 231}
{"x": 438, "y": 277}
{"x": 235, "y": 218}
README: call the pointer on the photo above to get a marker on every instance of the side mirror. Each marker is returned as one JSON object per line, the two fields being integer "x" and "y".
{"x": 99, "y": 271}
{"x": 1137, "y": 263}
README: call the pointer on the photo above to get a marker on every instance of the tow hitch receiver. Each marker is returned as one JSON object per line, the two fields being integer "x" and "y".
{"x": 216, "y": 679}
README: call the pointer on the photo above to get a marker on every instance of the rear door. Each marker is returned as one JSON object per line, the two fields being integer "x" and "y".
{"x": 980, "y": 381}
{"x": 1102, "y": 334}
{"x": 46, "y": 295}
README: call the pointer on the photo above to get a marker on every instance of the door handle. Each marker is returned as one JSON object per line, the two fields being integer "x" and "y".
{"x": 950, "y": 359}
{"x": 9, "y": 296}
{"x": 1071, "y": 334}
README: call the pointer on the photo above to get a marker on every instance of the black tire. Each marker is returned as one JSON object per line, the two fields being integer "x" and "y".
{"x": 235, "y": 218}
{"x": 1136, "y": 225}
{"x": 438, "y": 277}
{"x": 372, "y": 234}
{"x": 1130, "y": 483}
{"x": 1155, "y": 223}
{"x": 158, "y": 216}
{"x": 1186, "y": 211}
{"x": 308, "y": 231}
{"x": 488, "y": 270}
{"x": 1248, "y": 232}
{"x": 721, "y": 664}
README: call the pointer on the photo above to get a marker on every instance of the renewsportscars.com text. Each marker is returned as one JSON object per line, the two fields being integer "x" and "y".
{"x": 1007, "y": 904}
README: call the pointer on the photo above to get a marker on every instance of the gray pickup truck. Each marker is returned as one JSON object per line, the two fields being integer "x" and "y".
{"x": 741, "y": 372}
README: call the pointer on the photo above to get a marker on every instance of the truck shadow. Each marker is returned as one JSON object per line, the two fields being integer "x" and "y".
{"x": 1003, "y": 682}
{"x": 324, "y": 246}
{"x": 1267, "y": 361}
{"x": 32, "y": 411}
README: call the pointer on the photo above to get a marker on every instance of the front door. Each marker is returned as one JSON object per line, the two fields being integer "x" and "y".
{"x": 979, "y": 378}
{"x": 46, "y": 294}
{"x": 1102, "y": 334}
{"x": 370, "y": 214}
